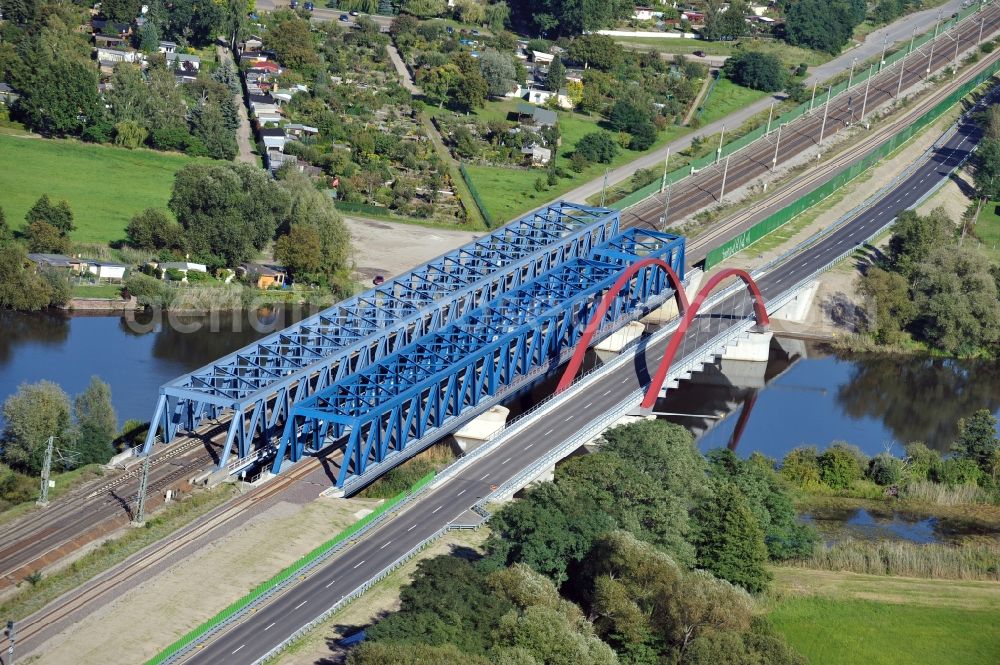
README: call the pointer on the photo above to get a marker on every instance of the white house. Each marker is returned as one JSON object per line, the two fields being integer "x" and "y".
{"x": 542, "y": 58}
{"x": 537, "y": 96}
{"x": 183, "y": 266}
{"x": 114, "y": 55}
{"x": 537, "y": 154}
{"x": 273, "y": 138}
{"x": 106, "y": 270}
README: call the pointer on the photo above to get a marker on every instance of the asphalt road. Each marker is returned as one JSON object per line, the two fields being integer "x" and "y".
{"x": 450, "y": 503}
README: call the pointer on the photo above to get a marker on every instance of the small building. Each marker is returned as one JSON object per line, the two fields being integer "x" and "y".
{"x": 273, "y": 138}
{"x": 56, "y": 261}
{"x": 538, "y": 96}
{"x": 117, "y": 55}
{"x": 539, "y": 116}
{"x": 265, "y": 276}
{"x": 537, "y": 154}
{"x": 251, "y": 43}
{"x": 110, "y": 41}
{"x": 7, "y": 94}
{"x": 106, "y": 270}
{"x": 542, "y": 58}
{"x": 183, "y": 61}
{"x": 167, "y": 47}
{"x": 182, "y": 266}
{"x": 296, "y": 129}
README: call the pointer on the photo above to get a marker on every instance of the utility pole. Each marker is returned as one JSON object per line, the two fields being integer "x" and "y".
{"x": 913, "y": 33}
{"x": 663, "y": 182}
{"x": 826, "y": 108}
{"x": 718, "y": 153}
{"x": 954, "y": 59}
{"x": 774, "y": 160}
{"x": 902, "y": 68}
{"x": 813, "y": 97}
{"x": 868, "y": 83}
{"x": 850, "y": 77}
{"x": 881, "y": 60}
{"x": 982, "y": 23}
{"x": 930, "y": 56}
{"x": 140, "y": 512}
{"x": 604, "y": 189}
{"x": 937, "y": 24}
{"x": 666, "y": 207}
{"x": 43, "y": 497}
{"x": 725, "y": 171}
{"x": 769, "y": 114}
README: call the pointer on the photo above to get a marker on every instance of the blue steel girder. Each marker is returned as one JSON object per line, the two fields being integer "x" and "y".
{"x": 376, "y": 412}
{"x": 356, "y": 332}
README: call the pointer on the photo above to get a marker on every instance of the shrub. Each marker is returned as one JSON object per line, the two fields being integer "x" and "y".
{"x": 148, "y": 290}
{"x": 800, "y": 467}
{"x": 174, "y": 274}
{"x": 921, "y": 461}
{"x": 597, "y": 147}
{"x": 957, "y": 471}
{"x": 753, "y": 69}
{"x": 987, "y": 47}
{"x": 840, "y": 465}
{"x": 884, "y": 469}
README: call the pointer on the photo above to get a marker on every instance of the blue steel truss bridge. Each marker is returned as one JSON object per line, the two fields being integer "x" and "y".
{"x": 382, "y": 375}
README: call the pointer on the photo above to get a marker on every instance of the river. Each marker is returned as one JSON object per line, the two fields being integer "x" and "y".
{"x": 805, "y": 395}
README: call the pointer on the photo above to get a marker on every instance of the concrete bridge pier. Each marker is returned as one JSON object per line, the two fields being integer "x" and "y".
{"x": 668, "y": 310}
{"x": 609, "y": 347}
{"x": 475, "y": 432}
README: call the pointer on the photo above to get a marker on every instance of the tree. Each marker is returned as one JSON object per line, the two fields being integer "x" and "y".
{"x": 193, "y": 21}
{"x": 498, "y": 71}
{"x": 128, "y": 95}
{"x": 45, "y": 238}
{"x": 753, "y": 69}
{"x": 730, "y": 541}
{"x": 300, "y": 251}
{"x": 893, "y": 309}
{"x": 31, "y": 415}
{"x": 227, "y": 75}
{"x": 977, "y": 440}
{"x": 149, "y": 37}
{"x": 599, "y": 51}
{"x": 152, "y": 230}
{"x": 130, "y": 134}
{"x": 840, "y": 465}
{"x": 311, "y": 209}
{"x": 6, "y": 235}
{"x": 597, "y": 146}
{"x": 123, "y": 11}
{"x": 292, "y": 43}
{"x": 210, "y": 125}
{"x": 725, "y": 22}
{"x": 58, "y": 215}
{"x": 96, "y": 423}
{"x": 227, "y": 210}
{"x": 470, "y": 88}
{"x": 438, "y": 82}
{"x": 61, "y": 100}
{"x": 822, "y": 24}
{"x": 568, "y": 17}
{"x": 915, "y": 236}
{"x": 956, "y": 297}
{"x": 496, "y": 15}
{"x": 626, "y": 116}
{"x": 987, "y": 162}
{"x": 21, "y": 287}
{"x": 556, "y": 77}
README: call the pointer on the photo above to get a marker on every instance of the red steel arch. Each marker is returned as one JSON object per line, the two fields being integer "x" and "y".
{"x": 760, "y": 312}
{"x": 595, "y": 321}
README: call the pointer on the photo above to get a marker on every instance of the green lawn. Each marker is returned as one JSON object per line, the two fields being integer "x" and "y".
{"x": 988, "y": 230}
{"x": 790, "y": 55}
{"x": 847, "y": 632}
{"x": 727, "y": 97}
{"x": 838, "y": 618}
{"x": 104, "y": 186}
{"x": 97, "y": 290}
{"x": 508, "y": 192}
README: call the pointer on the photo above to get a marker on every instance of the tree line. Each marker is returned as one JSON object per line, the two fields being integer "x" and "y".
{"x": 644, "y": 551}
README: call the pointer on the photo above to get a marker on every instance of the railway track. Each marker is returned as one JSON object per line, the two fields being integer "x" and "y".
{"x": 705, "y": 188}
{"x": 123, "y": 577}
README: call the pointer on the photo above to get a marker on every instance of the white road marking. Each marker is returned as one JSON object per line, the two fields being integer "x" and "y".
{"x": 358, "y": 564}
{"x": 301, "y": 604}
{"x": 568, "y": 418}
{"x": 385, "y": 545}
{"x": 239, "y": 647}
{"x": 332, "y": 582}
{"x": 588, "y": 405}
{"x": 549, "y": 432}
{"x": 436, "y": 509}
{"x": 411, "y": 528}
{"x": 505, "y": 461}
{"x": 270, "y": 625}
{"x": 625, "y": 379}
{"x": 607, "y": 392}
{"x": 528, "y": 446}
{"x": 460, "y": 493}
{"x": 485, "y": 476}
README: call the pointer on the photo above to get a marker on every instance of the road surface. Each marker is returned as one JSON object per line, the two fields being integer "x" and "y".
{"x": 450, "y": 503}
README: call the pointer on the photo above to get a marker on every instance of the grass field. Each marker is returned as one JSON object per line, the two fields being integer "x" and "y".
{"x": 845, "y": 619}
{"x": 507, "y": 192}
{"x": 93, "y": 179}
{"x": 790, "y": 55}
{"x": 988, "y": 230}
{"x": 726, "y": 98}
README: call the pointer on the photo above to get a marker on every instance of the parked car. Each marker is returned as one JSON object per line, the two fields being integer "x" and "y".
{"x": 293, "y": 4}
{"x": 475, "y": 32}
{"x": 354, "y": 13}
{"x": 309, "y": 6}
{"x": 700, "y": 54}
{"x": 345, "y": 18}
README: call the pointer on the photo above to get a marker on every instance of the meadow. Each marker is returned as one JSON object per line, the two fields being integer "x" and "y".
{"x": 105, "y": 186}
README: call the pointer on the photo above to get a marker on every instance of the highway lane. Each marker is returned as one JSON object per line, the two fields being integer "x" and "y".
{"x": 271, "y": 624}
{"x": 705, "y": 188}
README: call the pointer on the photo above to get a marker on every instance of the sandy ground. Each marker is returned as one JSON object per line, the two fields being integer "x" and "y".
{"x": 192, "y": 591}
{"x": 320, "y": 646}
{"x": 952, "y": 197}
{"x": 391, "y": 248}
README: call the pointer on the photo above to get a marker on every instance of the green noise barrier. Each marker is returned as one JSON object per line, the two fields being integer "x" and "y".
{"x": 783, "y": 216}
